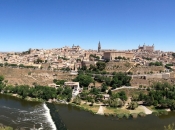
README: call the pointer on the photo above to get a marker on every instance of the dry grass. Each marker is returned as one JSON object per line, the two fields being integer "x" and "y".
{"x": 93, "y": 108}
{"x": 130, "y": 92}
{"x": 137, "y": 110}
{"x": 147, "y": 69}
{"x": 110, "y": 110}
{"x": 118, "y": 66}
{"x": 16, "y": 76}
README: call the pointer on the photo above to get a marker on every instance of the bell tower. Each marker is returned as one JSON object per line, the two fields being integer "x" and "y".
{"x": 99, "y": 47}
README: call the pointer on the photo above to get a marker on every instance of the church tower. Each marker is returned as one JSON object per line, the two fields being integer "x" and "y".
{"x": 99, "y": 47}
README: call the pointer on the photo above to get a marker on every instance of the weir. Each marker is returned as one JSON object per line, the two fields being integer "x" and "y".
{"x": 49, "y": 118}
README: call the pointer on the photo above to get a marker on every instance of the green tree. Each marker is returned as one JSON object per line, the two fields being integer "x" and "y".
{"x": 104, "y": 87}
{"x": 115, "y": 102}
{"x": 133, "y": 105}
{"x": 84, "y": 80}
{"x": 1, "y": 78}
{"x": 101, "y": 65}
{"x": 77, "y": 100}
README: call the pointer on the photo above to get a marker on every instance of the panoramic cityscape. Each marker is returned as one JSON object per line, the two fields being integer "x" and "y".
{"x": 80, "y": 65}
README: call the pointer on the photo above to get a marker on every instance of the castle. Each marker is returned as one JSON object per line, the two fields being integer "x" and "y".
{"x": 146, "y": 48}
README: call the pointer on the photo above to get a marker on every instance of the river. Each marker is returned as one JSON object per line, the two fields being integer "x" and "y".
{"x": 19, "y": 113}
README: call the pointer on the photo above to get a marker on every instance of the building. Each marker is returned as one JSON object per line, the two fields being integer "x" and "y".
{"x": 111, "y": 55}
{"x": 146, "y": 48}
{"x": 75, "y": 86}
{"x": 99, "y": 47}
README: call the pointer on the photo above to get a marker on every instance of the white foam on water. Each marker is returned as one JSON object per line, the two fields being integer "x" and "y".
{"x": 49, "y": 118}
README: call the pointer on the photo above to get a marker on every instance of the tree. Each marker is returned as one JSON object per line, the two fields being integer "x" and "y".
{"x": 110, "y": 92}
{"x": 101, "y": 65}
{"x": 120, "y": 79}
{"x": 92, "y": 102}
{"x": 59, "y": 82}
{"x": 104, "y": 87}
{"x": 84, "y": 80}
{"x": 172, "y": 106}
{"x": 107, "y": 81}
{"x": 115, "y": 102}
{"x": 133, "y": 105}
{"x": 77, "y": 100}
{"x": 1, "y": 78}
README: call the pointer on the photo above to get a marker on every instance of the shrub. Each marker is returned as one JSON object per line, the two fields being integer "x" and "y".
{"x": 142, "y": 114}
{"x": 126, "y": 115}
{"x": 120, "y": 116}
{"x": 156, "y": 113}
{"x": 134, "y": 115}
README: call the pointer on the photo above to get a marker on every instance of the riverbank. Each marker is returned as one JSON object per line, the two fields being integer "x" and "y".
{"x": 101, "y": 109}
{"x": 140, "y": 111}
{"x": 13, "y": 110}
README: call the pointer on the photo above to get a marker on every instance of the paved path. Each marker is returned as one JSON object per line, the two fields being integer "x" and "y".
{"x": 100, "y": 111}
{"x": 123, "y": 87}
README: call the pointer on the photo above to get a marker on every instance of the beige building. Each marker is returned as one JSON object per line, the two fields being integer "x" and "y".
{"x": 146, "y": 48}
{"x": 110, "y": 55}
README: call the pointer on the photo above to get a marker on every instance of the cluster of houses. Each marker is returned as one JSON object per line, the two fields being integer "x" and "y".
{"x": 74, "y": 57}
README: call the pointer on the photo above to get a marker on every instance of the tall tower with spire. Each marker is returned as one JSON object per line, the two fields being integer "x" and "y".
{"x": 99, "y": 47}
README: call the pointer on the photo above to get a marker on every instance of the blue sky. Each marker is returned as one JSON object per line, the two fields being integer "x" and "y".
{"x": 117, "y": 24}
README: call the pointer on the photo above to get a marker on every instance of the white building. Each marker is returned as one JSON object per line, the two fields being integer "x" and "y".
{"x": 75, "y": 86}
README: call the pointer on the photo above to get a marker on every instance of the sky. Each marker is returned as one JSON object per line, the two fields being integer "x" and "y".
{"x": 117, "y": 24}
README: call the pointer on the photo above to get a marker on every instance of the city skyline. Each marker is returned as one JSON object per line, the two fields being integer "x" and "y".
{"x": 120, "y": 25}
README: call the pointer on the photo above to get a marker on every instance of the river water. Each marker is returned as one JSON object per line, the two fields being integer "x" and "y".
{"x": 19, "y": 113}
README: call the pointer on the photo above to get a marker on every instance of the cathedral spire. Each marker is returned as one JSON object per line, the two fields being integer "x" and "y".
{"x": 99, "y": 47}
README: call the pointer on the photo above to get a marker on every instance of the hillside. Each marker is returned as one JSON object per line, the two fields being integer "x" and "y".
{"x": 16, "y": 76}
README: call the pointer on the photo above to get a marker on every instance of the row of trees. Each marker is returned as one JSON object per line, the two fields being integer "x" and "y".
{"x": 155, "y": 63}
{"x": 121, "y": 58}
{"x": 168, "y": 66}
{"x": 147, "y": 58}
{"x": 16, "y": 65}
{"x": 118, "y": 80}
{"x": 162, "y": 95}
{"x": 84, "y": 80}
{"x": 100, "y": 66}
{"x": 41, "y": 92}
{"x": 96, "y": 58}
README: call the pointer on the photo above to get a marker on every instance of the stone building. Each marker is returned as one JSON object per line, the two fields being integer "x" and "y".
{"x": 110, "y": 55}
{"x": 146, "y": 48}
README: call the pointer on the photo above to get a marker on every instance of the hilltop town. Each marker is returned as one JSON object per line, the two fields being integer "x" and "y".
{"x": 47, "y": 63}
{"x": 104, "y": 76}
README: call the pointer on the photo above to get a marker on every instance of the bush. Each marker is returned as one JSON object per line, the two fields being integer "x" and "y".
{"x": 156, "y": 113}
{"x": 120, "y": 116}
{"x": 142, "y": 114}
{"x": 163, "y": 113}
{"x": 134, "y": 115}
{"x": 126, "y": 115}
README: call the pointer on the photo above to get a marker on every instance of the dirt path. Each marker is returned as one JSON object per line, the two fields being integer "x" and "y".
{"x": 147, "y": 111}
{"x": 126, "y": 103}
{"x": 100, "y": 110}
